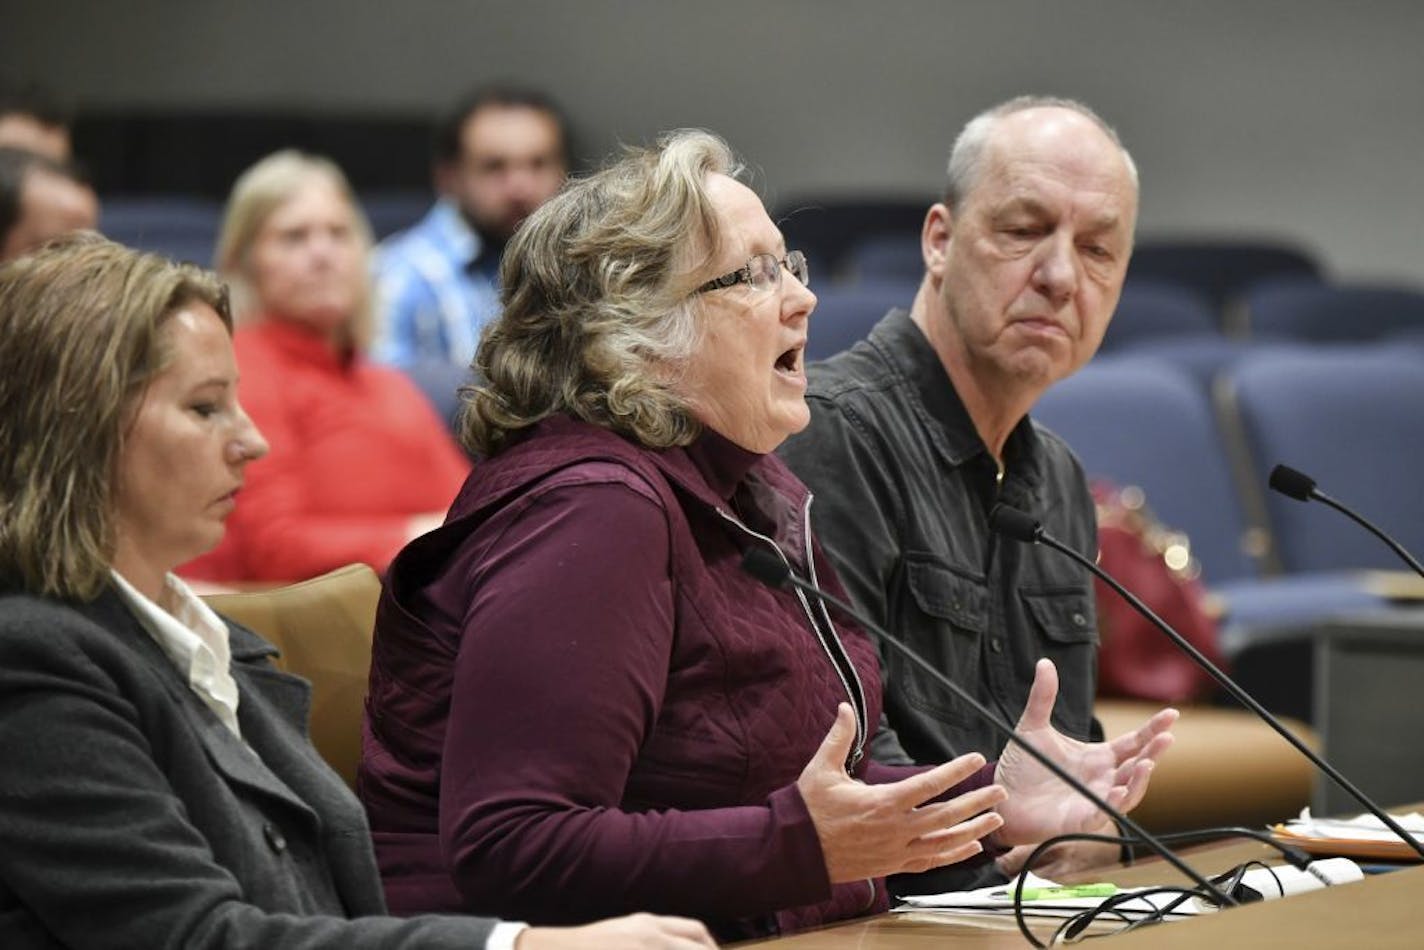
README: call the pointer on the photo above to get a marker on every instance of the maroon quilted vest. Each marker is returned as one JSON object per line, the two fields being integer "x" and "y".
{"x": 752, "y": 685}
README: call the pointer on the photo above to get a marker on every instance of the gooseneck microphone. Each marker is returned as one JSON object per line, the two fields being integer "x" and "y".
{"x": 1301, "y": 487}
{"x": 774, "y": 572}
{"x": 1019, "y": 526}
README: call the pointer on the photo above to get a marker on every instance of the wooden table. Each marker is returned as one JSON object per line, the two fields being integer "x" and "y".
{"x": 1383, "y": 911}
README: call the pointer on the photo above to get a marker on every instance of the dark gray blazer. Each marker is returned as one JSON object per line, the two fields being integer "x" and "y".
{"x": 131, "y": 817}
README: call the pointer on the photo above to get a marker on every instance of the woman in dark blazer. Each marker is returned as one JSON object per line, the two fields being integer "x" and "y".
{"x": 158, "y": 788}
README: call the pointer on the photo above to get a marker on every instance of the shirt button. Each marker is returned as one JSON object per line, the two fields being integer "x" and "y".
{"x": 1080, "y": 620}
{"x": 275, "y": 840}
{"x": 996, "y": 645}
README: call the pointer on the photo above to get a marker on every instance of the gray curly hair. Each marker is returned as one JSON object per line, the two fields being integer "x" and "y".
{"x": 597, "y": 315}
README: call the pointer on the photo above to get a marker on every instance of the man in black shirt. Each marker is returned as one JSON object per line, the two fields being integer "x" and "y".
{"x": 918, "y": 430}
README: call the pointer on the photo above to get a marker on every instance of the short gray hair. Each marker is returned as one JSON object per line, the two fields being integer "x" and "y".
{"x": 967, "y": 155}
{"x": 598, "y": 313}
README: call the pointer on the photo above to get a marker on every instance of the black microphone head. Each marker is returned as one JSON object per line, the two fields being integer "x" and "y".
{"x": 1015, "y": 524}
{"x": 765, "y": 566}
{"x": 1288, "y": 481}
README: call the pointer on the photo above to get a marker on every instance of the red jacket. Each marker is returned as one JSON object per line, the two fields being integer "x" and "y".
{"x": 357, "y": 450}
{"x": 581, "y": 705}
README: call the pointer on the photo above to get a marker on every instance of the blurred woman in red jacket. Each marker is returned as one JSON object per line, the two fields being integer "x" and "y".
{"x": 360, "y": 461}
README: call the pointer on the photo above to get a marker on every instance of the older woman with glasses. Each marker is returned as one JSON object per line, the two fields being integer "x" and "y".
{"x": 580, "y": 703}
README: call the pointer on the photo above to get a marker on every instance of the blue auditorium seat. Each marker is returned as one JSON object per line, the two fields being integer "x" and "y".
{"x": 845, "y": 313}
{"x": 1143, "y": 422}
{"x": 392, "y": 211}
{"x": 1351, "y": 418}
{"x": 1219, "y": 268}
{"x": 1154, "y": 310}
{"x": 887, "y": 257}
{"x": 1332, "y": 313}
{"x": 440, "y": 381}
{"x": 826, "y": 227}
{"x": 181, "y": 227}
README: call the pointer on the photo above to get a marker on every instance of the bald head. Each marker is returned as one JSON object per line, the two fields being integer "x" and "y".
{"x": 1025, "y": 258}
{"x": 1064, "y": 128}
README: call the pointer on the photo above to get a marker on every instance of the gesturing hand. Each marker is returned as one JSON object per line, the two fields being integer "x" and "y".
{"x": 874, "y": 830}
{"x": 1040, "y": 806}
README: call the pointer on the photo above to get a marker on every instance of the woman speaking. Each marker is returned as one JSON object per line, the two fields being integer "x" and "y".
{"x": 580, "y": 703}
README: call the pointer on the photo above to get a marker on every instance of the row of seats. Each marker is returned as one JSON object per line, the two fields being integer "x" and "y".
{"x": 865, "y": 256}
{"x": 1201, "y": 448}
{"x": 878, "y": 238}
{"x": 1347, "y": 414}
{"x": 186, "y": 228}
{"x": 1153, "y": 312}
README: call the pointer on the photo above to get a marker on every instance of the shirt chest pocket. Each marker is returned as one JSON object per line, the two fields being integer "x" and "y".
{"x": 1065, "y": 622}
{"x": 1062, "y": 615}
{"x": 942, "y": 594}
{"x": 946, "y": 620}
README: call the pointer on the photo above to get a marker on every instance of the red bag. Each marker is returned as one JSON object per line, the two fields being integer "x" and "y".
{"x": 1136, "y": 660}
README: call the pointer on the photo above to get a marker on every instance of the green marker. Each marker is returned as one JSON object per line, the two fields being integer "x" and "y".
{"x": 1066, "y": 893}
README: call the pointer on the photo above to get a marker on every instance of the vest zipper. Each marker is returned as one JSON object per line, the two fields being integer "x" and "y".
{"x": 857, "y": 698}
{"x": 856, "y": 695}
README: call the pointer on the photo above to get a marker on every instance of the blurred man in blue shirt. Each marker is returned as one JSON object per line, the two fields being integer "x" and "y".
{"x": 498, "y": 155}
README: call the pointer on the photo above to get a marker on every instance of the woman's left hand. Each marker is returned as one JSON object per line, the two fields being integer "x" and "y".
{"x": 1039, "y": 805}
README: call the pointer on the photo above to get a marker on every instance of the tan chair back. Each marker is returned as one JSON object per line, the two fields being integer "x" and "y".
{"x": 323, "y": 629}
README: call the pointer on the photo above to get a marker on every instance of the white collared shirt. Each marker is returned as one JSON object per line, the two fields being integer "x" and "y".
{"x": 195, "y": 639}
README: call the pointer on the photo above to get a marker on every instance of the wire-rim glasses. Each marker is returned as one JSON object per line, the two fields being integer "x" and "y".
{"x": 762, "y": 272}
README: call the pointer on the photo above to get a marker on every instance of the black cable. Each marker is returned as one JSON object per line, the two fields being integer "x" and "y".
{"x": 1293, "y": 855}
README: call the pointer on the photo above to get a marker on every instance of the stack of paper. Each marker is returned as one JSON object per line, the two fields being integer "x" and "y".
{"x": 1362, "y": 837}
{"x": 999, "y": 900}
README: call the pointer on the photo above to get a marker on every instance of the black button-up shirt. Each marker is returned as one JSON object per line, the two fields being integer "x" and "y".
{"x": 903, "y": 489}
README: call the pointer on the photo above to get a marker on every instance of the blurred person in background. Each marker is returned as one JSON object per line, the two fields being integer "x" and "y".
{"x": 499, "y": 153}
{"x": 159, "y": 788}
{"x": 40, "y": 198}
{"x": 33, "y": 119}
{"x": 360, "y": 462}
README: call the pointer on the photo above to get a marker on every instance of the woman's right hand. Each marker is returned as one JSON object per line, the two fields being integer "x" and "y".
{"x": 873, "y": 830}
{"x": 635, "y": 932}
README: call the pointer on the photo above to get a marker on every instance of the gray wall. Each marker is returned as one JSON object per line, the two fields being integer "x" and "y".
{"x": 1302, "y": 119}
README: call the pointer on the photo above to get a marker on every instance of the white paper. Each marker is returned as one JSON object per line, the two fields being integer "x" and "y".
{"x": 1359, "y": 828}
{"x": 999, "y": 899}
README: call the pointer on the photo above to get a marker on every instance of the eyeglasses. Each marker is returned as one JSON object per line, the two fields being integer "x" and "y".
{"x": 762, "y": 273}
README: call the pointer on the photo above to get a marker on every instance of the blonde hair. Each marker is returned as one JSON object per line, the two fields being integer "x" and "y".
{"x": 597, "y": 314}
{"x": 83, "y": 323}
{"x": 256, "y": 195}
